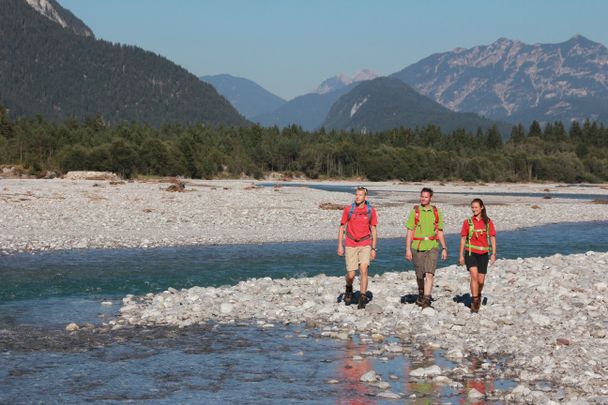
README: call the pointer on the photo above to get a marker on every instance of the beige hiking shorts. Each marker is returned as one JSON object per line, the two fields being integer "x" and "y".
{"x": 425, "y": 261}
{"x": 356, "y": 256}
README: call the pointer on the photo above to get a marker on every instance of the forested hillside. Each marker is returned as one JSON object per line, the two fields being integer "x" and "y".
{"x": 54, "y": 72}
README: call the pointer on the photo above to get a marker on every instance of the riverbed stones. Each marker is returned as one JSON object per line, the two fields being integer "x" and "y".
{"x": 473, "y": 394}
{"x": 388, "y": 395}
{"x": 226, "y": 308}
{"x": 72, "y": 327}
{"x": 374, "y": 309}
{"x": 430, "y": 371}
{"x": 554, "y": 334}
{"x": 369, "y": 377}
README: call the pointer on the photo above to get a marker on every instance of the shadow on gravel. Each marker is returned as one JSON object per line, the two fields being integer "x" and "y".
{"x": 465, "y": 299}
{"x": 356, "y": 295}
{"x": 409, "y": 299}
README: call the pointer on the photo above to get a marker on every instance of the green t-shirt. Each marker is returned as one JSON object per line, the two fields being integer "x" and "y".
{"x": 426, "y": 227}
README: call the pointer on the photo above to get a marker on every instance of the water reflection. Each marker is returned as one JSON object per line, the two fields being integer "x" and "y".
{"x": 482, "y": 383}
{"x": 349, "y": 373}
{"x": 425, "y": 390}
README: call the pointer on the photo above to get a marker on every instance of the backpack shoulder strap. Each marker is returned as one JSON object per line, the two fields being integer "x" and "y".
{"x": 416, "y": 215}
{"x": 471, "y": 228}
{"x": 352, "y": 210}
{"x": 436, "y": 212}
{"x": 488, "y": 233}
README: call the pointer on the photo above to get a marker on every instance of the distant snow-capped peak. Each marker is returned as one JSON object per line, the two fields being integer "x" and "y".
{"x": 342, "y": 80}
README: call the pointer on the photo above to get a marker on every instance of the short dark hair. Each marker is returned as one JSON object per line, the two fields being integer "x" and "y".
{"x": 427, "y": 190}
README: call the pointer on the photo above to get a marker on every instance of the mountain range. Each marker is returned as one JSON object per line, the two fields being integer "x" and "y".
{"x": 512, "y": 81}
{"x": 309, "y": 110}
{"x": 506, "y": 81}
{"x": 53, "y": 66}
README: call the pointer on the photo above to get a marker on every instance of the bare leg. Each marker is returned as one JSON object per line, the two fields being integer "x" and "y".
{"x": 363, "y": 278}
{"x": 350, "y": 277}
{"x": 481, "y": 279}
{"x": 474, "y": 281}
{"x": 420, "y": 282}
{"x": 428, "y": 283}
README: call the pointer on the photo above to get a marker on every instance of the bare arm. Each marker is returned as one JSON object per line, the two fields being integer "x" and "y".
{"x": 374, "y": 242}
{"x": 463, "y": 240}
{"x": 493, "y": 242}
{"x": 408, "y": 245}
{"x": 444, "y": 252}
{"x": 341, "y": 240}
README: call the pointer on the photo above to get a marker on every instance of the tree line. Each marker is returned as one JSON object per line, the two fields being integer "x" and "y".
{"x": 553, "y": 152}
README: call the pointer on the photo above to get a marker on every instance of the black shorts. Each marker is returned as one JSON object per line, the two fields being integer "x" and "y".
{"x": 479, "y": 260}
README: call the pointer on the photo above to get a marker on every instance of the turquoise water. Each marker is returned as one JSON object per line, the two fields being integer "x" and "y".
{"x": 42, "y": 292}
{"x": 351, "y": 190}
{"x": 114, "y": 273}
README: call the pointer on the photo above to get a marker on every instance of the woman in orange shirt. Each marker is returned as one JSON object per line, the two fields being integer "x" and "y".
{"x": 478, "y": 237}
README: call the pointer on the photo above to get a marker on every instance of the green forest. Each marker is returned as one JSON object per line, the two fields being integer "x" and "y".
{"x": 555, "y": 152}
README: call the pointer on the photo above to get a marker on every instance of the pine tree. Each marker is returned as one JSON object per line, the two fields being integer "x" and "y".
{"x": 494, "y": 139}
{"x": 575, "y": 133}
{"x": 535, "y": 129}
{"x": 518, "y": 134}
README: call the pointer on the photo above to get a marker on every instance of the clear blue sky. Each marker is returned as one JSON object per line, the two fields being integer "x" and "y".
{"x": 290, "y": 46}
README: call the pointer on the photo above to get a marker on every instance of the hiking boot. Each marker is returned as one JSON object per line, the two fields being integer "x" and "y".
{"x": 420, "y": 298}
{"x": 426, "y": 302}
{"x": 362, "y": 301}
{"x": 348, "y": 294}
{"x": 475, "y": 303}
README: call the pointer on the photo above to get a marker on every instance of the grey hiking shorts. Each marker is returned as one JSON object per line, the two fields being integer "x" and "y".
{"x": 425, "y": 261}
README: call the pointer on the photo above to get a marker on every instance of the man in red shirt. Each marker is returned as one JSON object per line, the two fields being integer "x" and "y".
{"x": 358, "y": 227}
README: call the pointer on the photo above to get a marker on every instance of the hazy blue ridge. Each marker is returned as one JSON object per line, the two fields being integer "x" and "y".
{"x": 249, "y": 98}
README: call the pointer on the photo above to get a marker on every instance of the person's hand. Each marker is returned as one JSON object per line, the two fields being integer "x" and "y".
{"x": 493, "y": 258}
{"x": 408, "y": 255}
{"x": 340, "y": 250}
{"x": 444, "y": 255}
{"x": 372, "y": 255}
{"x": 461, "y": 260}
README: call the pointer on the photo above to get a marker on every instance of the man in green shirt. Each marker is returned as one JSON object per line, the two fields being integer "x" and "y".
{"x": 424, "y": 231}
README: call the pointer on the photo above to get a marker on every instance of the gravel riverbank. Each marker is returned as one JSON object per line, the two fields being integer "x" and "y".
{"x": 57, "y": 214}
{"x": 545, "y": 321}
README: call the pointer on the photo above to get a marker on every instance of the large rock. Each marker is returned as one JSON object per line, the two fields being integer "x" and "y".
{"x": 426, "y": 371}
{"x": 72, "y": 327}
{"x": 369, "y": 377}
{"x": 90, "y": 175}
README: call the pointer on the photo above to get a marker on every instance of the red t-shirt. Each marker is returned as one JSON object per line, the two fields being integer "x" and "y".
{"x": 359, "y": 225}
{"x": 479, "y": 238}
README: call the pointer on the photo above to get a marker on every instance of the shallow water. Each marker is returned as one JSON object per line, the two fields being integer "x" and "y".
{"x": 351, "y": 190}
{"x": 227, "y": 364}
{"x": 42, "y": 292}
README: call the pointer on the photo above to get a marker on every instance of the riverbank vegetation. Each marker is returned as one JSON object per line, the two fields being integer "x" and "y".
{"x": 576, "y": 153}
